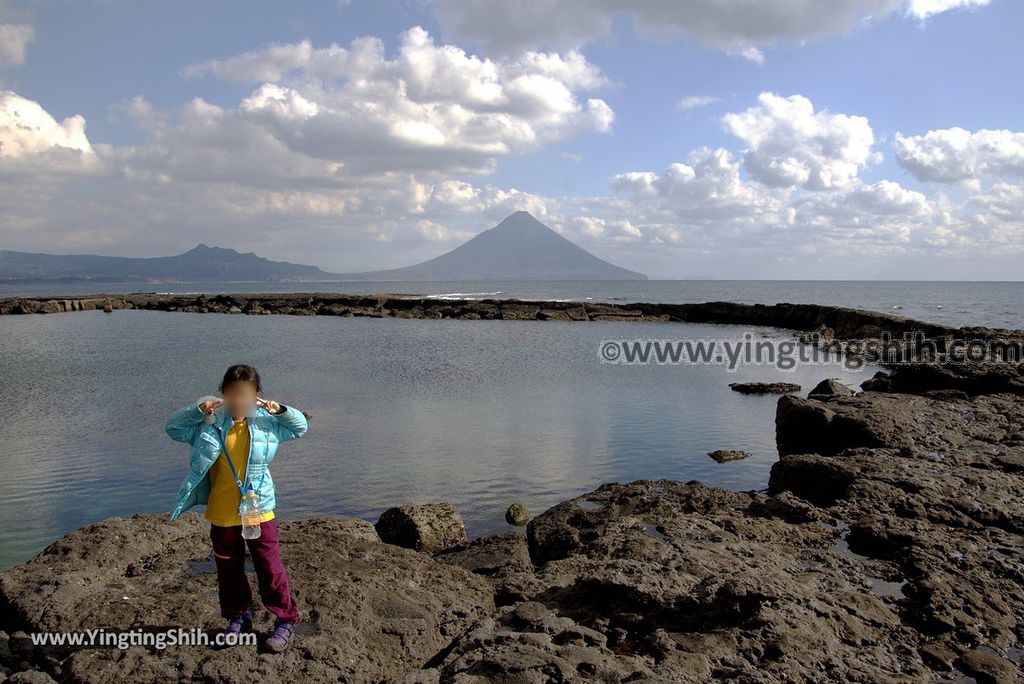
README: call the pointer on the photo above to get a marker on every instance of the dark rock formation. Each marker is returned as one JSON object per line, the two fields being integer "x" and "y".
{"x": 726, "y": 455}
{"x": 830, "y": 387}
{"x": 811, "y": 319}
{"x": 517, "y": 514}
{"x": 764, "y": 387}
{"x": 938, "y": 498}
{"x": 494, "y": 556}
{"x": 429, "y": 527}
{"x": 529, "y": 642}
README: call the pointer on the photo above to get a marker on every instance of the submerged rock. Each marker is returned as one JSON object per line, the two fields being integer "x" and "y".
{"x": 517, "y": 514}
{"x": 726, "y": 455}
{"x": 764, "y": 387}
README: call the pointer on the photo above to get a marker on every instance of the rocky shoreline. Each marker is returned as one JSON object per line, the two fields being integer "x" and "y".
{"x": 843, "y": 322}
{"x": 889, "y": 547}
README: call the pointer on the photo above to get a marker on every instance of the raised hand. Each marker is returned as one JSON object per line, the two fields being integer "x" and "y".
{"x": 208, "y": 406}
{"x": 268, "y": 404}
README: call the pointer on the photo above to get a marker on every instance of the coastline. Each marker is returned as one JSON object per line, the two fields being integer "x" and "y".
{"x": 888, "y": 546}
{"x": 843, "y": 321}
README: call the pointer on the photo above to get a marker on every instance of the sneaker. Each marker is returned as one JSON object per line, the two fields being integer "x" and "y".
{"x": 278, "y": 640}
{"x": 239, "y": 624}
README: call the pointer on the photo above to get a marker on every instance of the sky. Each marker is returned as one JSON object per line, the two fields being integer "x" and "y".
{"x": 745, "y": 139}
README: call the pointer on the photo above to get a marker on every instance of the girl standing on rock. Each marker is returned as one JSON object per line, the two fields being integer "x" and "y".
{"x": 233, "y": 440}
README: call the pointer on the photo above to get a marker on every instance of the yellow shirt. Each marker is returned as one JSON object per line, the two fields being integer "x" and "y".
{"x": 222, "y": 506}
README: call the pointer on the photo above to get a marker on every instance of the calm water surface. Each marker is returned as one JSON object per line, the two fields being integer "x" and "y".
{"x": 481, "y": 413}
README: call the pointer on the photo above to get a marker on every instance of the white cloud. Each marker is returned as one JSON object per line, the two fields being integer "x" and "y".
{"x": 429, "y": 108}
{"x": 804, "y": 196}
{"x": 695, "y": 101}
{"x": 879, "y": 217}
{"x": 280, "y": 103}
{"x": 621, "y": 230}
{"x": 994, "y": 218}
{"x": 436, "y": 232}
{"x": 956, "y": 154}
{"x": 271, "y": 63}
{"x": 707, "y": 192}
{"x": 750, "y": 53}
{"x": 788, "y": 143}
{"x": 922, "y": 9}
{"x": 33, "y": 142}
{"x": 14, "y": 40}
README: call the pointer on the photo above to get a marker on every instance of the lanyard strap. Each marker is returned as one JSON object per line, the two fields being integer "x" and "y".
{"x": 238, "y": 480}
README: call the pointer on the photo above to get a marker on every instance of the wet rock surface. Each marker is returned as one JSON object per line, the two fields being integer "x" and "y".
{"x": 764, "y": 387}
{"x": 888, "y": 547}
{"x": 727, "y": 455}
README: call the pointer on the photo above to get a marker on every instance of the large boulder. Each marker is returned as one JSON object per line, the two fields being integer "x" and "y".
{"x": 428, "y": 527}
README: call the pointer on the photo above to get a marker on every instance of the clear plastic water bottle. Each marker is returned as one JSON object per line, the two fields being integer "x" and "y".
{"x": 249, "y": 511}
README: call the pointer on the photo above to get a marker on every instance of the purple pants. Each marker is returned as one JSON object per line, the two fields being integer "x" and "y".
{"x": 232, "y": 582}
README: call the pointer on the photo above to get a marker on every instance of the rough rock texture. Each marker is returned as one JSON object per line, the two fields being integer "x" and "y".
{"x": 708, "y": 583}
{"x": 764, "y": 387}
{"x": 726, "y": 455}
{"x": 938, "y": 496}
{"x": 529, "y": 642}
{"x": 428, "y": 527}
{"x": 951, "y": 379}
{"x": 371, "y": 611}
{"x": 831, "y": 386}
{"x": 517, "y": 514}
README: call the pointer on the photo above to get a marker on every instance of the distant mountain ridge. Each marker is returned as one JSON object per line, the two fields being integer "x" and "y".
{"x": 518, "y": 248}
{"x": 202, "y": 263}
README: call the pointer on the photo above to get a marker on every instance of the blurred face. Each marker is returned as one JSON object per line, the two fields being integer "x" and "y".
{"x": 240, "y": 398}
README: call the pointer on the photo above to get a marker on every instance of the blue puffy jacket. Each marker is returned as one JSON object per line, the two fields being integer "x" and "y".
{"x": 266, "y": 431}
